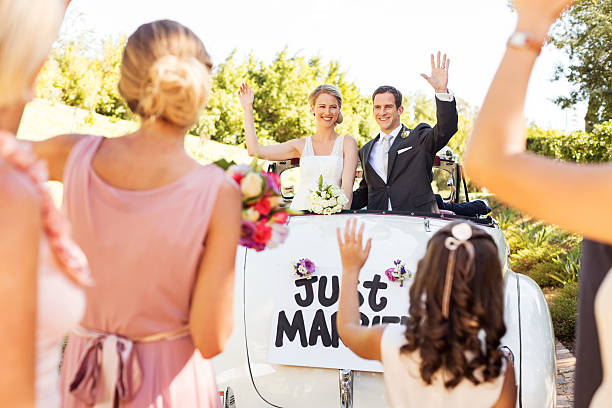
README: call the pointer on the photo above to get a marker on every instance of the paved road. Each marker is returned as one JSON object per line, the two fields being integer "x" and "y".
{"x": 566, "y": 363}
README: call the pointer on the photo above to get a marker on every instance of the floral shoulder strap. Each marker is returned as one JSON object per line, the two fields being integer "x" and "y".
{"x": 70, "y": 257}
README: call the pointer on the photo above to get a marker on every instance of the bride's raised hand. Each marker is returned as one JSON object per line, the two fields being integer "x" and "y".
{"x": 352, "y": 251}
{"x": 246, "y": 95}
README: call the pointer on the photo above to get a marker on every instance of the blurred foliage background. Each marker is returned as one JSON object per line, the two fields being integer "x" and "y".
{"x": 77, "y": 91}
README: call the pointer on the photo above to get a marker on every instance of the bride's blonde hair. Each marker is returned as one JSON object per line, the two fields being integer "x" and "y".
{"x": 165, "y": 73}
{"x": 27, "y": 30}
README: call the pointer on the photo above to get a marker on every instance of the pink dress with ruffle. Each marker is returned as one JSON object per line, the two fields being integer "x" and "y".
{"x": 144, "y": 248}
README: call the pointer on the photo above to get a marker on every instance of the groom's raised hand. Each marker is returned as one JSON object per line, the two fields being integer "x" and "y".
{"x": 439, "y": 73}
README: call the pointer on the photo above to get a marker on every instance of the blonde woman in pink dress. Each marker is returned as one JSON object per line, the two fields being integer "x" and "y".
{"x": 161, "y": 233}
{"x": 41, "y": 270}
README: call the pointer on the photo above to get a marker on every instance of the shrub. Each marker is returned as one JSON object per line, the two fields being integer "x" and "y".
{"x": 538, "y": 264}
{"x": 570, "y": 267}
{"x": 564, "y": 312}
{"x": 505, "y": 216}
{"x": 578, "y": 147}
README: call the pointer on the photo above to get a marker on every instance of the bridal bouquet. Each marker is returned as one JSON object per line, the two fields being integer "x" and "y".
{"x": 263, "y": 219}
{"x": 326, "y": 199}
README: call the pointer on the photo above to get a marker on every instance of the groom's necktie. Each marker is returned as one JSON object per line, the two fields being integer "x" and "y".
{"x": 385, "y": 153}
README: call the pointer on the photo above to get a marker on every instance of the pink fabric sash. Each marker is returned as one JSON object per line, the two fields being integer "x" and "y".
{"x": 109, "y": 368}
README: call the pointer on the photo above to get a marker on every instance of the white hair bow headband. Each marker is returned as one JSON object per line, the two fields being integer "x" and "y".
{"x": 461, "y": 234}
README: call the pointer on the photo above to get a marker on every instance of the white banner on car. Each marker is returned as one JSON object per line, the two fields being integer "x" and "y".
{"x": 304, "y": 329}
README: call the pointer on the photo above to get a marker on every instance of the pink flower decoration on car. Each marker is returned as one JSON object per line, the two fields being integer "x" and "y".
{"x": 398, "y": 273}
{"x": 303, "y": 268}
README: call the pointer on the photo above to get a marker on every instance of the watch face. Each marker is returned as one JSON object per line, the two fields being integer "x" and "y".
{"x": 518, "y": 39}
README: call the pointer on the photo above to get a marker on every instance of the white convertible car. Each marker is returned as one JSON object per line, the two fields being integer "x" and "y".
{"x": 285, "y": 350}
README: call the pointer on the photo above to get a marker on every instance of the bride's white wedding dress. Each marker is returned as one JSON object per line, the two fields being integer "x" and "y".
{"x": 60, "y": 307}
{"x": 313, "y": 166}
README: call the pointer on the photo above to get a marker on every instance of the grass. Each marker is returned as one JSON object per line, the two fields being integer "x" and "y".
{"x": 43, "y": 119}
{"x": 563, "y": 305}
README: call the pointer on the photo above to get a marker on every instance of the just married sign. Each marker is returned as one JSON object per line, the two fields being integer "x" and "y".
{"x": 304, "y": 329}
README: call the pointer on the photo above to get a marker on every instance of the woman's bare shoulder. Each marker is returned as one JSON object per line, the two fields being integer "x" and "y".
{"x": 300, "y": 142}
{"x": 350, "y": 142}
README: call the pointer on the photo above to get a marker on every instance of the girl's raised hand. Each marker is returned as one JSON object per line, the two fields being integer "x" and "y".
{"x": 352, "y": 252}
{"x": 246, "y": 95}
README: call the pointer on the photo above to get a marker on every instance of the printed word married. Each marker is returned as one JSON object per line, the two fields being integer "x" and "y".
{"x": 323, "y": 293}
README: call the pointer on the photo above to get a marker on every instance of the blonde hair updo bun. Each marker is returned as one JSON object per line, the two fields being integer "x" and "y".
{"x": 165, "y": 73}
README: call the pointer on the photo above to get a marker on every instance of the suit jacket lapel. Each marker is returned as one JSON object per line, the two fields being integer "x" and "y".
{"x": 367, "y": 150}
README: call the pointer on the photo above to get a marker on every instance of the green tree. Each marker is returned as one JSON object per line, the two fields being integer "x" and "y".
{"x": 83, "y": 75}
{"x": 585, "y": 34}
{"x": 421, "y": 108}
{"x": 281, "y": 99}
{"x": 74, "y": 80}
{"x": 109, "y": 102}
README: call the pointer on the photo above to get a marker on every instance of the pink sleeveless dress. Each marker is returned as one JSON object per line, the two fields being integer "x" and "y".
{"x": 144, "y": 248}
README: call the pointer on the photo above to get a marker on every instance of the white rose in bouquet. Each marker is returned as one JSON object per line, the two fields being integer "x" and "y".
{"x": 251, "y": 185}
{"x": 326, "y": 199}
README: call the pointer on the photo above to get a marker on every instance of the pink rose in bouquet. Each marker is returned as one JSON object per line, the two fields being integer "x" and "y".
{"x": 263, "y": 207}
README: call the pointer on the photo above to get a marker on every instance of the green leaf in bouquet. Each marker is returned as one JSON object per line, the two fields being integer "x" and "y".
{"x": 257, "y": 167}
{"x": 320, "y": 182}
{"x": 224, "y": 164}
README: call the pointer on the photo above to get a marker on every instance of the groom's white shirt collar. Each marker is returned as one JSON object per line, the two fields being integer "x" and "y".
{"x": 392, "y": 135}
{"x": 376, "y": 160}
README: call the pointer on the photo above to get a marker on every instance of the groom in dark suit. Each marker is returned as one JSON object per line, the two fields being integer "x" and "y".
{"x": 397, "y": 163}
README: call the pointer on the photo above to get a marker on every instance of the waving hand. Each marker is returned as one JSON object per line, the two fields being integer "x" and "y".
{"x": 439, "y": 73}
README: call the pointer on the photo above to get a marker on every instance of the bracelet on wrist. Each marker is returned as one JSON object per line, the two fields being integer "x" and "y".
{"x": 522, "y": 40}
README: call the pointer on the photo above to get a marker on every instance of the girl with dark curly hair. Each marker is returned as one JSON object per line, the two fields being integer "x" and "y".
{"x": 448, "y": 353}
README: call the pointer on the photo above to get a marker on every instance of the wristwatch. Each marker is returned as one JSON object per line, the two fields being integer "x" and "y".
{"x": 523, "y": 41}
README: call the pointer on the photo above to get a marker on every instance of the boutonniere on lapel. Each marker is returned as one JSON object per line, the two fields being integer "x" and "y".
{"x": 404, "y": 134}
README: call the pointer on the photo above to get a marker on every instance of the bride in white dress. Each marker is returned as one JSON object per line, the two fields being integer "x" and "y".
{"x": 326, "y": 153}
{"x": 40, "y": 268}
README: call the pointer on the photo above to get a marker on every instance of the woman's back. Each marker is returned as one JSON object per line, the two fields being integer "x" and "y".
{"x": 145, "y": 248}
{"x": 406, "y": 388}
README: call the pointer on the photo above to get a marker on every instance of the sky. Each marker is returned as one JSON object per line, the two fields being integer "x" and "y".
{"x": 376, "y": 41}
